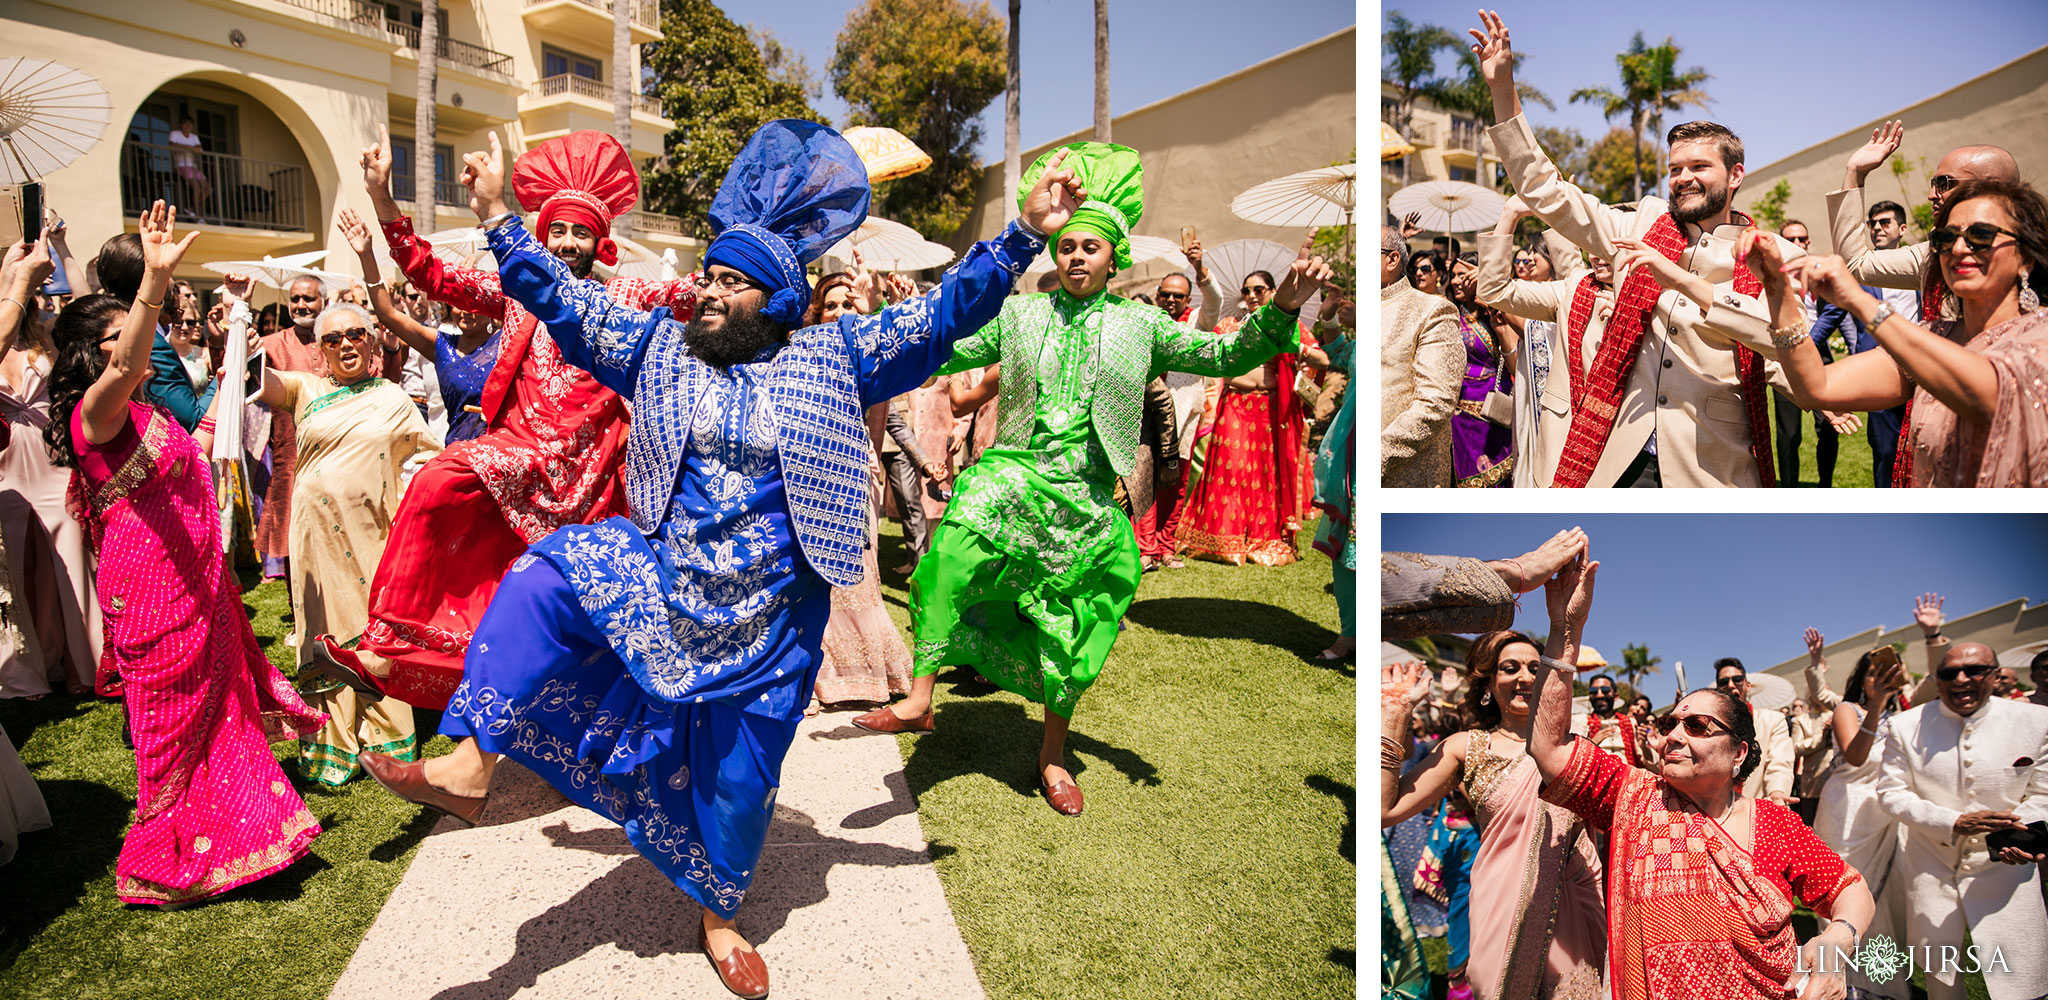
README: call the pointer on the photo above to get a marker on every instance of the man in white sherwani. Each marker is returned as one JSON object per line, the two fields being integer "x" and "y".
{"x": 1954, "y": 771}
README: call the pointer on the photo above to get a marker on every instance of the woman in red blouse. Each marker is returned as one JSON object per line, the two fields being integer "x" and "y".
{"x": 1701, "y": 880}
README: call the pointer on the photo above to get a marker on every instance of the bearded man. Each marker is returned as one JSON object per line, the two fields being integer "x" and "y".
{"x": 292, "y": 348}
{"x": 1676, "y": 393}
{"x": 555, "y": 441}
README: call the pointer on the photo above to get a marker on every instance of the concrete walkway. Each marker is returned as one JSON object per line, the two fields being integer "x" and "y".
{"x": 547, "y": 899}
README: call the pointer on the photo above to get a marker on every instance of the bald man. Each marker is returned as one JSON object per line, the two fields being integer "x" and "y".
{"x": 1422, "y": 367}
{"x": 1956, "y": 771}
{"x": 1901, "y": 267}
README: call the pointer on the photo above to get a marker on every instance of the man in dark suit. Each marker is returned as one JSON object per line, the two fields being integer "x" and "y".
{"x": 1884, "y": 424}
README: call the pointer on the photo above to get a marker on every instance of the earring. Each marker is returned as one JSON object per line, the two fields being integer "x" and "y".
{"x": 1951, "y": 310}
{"x": 1486, "y": 698}
{"x": 2029, "y": 300}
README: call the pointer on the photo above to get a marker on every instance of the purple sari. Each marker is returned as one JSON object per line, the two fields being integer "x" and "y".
{"x": 1481, "y": 450}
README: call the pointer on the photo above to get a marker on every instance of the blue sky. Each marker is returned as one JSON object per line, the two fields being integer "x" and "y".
{"x": 1786, "y": 74}
{"x": 1696, "y": 587}
{"x": 1157, "y": 49}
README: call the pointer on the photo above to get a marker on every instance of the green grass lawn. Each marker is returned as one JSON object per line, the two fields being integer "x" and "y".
{"x": 62, "y": 932}
{"x": 1852, "y": 453}
{"x": 1217, "y": 855}
{"x": 1216, "y": 858}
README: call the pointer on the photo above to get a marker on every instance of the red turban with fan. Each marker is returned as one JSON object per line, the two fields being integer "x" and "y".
{"x": 584, "y": 177}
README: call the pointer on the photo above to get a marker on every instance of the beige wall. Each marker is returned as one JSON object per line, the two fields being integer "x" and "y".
{"x": 2006, "y": 107}
{"x": 2003, "y": 628}
{"x": 1296, "y": 111}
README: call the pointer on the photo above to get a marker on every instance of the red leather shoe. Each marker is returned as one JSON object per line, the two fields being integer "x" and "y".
{"x": 1064, "y": 797}
{"x": 882, "y": 720}
{"x": 743, "y": 972}
{"x": 409, "y": 782}
{"x": 345, "y": 666}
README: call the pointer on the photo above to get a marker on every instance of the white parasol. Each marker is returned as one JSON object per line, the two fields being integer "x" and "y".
{"x": 1230, "y": 263}
{"x": 1449, "y": 206}
{"x": 50, "y": 115}
{"x": 2020, "y": 657}
{"x": 273, "y": 271}
{"x": 1143, "y": 248}
{"x": 456, "y": 246}
{"x": 1769, "y": 691}
{"x": 636, "y": 260}
{"x": 886, "y": 245}
{"x": 1325, "y": 196}
{"x": 887, "y": 153}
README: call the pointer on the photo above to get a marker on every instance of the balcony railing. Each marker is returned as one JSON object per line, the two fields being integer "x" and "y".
{"x": 367, "y": 12}
{"x": 450, "y": 50}
{"x": 1465, "y": 135}
{"x": 445, "y": 192}
{"x": 213, "y": 188}
{"x": 648, "y": 222}
{"x": 645, "y": 12}
{"x": 583, "y": 86}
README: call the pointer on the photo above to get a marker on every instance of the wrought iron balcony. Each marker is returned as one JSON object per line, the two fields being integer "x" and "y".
{"x": 456, "y": 52}
{"x": 645, "y": 12}
{"x": 213, "y": 188}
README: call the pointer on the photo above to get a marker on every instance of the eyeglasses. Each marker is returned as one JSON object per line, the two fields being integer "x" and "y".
{"x": 1942, "y": 182}
{"x": 1981, "y": 236}
{"x": 1801, "y": 240}
{"x": 1948, "y": 675}
{"x": 1696, "y": 726}
{"x": 731, "y": 283}
{"x": 1602, "y": 692}
{"x": 1885, "y": 223}
{"x": 354, "y": 335}
{"x": 1732, "y": 680}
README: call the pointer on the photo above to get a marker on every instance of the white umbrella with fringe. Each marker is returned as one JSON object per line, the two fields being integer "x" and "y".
{"x": 1449, "y": 206}
{"x": 50, "y": 115}
{"x": 1230, "y": 263}
{"x": 1325, "y": 196}
{"x": 887, "y": 245}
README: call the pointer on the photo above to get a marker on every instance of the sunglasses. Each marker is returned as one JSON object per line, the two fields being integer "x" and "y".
{"x": 1981, "y": 236}
{"x": 1948, "y": 675}
{"x": 1249, "y": 289}
{"x": 1601, "y": 692}
{"x": 354, "y": 335}
{"x": 1801, "y": 240}
{"x": 1425, "y": 269}
{"x": 1696, "y": 726}
{"x": 1885, "y": 223}
{"x": 1729, "y": 682}
{"x": 1942, "y": 182}
{"x": 305, "y": 298}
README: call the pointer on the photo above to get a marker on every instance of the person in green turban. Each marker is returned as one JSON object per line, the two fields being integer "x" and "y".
{"x": 1035, "y": 563}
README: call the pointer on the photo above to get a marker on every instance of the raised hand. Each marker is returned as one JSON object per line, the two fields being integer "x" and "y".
{"x": 26, "y": 268}
{"x": 235, "y": 287}
{"x": 1194, "y": 255}
{"x": 1411, "y": 225}
{"x": 1884, "y": 141}
{"x": 353, "y": 230}
{"x": 1927, "y": 612}
{"x": 1827, "y": 277}
{"x": 483, "y": 172}
{"x": 1881, "y": 682}
{"x": 161, "y": 249}
{"x": 376, "y": 164}
{"x": 1054, "y": 198}
{"x": 1404, "y": 685}
{"x": 1308, "y": 273}
{"x": 1814, "y": 642}
{"x": 901, "y": 288}
{"x": 1496, "y": 58}
{"x": 1531, "y": 569}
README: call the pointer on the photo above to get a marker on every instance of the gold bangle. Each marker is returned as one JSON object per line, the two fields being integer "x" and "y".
{"x": 140, "y": 301}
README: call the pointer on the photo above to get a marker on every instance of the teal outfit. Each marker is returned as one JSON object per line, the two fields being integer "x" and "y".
{"x": 1336, "y": 491}
{"x": 1035, "y": 563}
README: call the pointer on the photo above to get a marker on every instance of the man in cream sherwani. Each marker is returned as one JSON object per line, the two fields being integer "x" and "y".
{"x": 1543, "y": 369}
{"x": 1422, "y": 367}
{"x": 1954, "y": 771}
{"x": 1684, "y": 416}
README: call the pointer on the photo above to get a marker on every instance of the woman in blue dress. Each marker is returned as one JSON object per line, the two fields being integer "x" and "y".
{"x": 462, "y": 361}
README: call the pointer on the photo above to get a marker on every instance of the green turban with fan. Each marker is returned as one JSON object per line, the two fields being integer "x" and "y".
{"x": 1115, "y": 182}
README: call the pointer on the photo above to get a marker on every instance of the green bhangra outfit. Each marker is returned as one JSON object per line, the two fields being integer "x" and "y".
{"x": 1035, "y": 564}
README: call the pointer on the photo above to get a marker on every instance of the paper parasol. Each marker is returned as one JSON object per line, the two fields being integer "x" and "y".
{"x": 886, "y": 245}
{"x": 1324, "y": 196}
{"x": 887, "y": 153}
{"x": 1230, "y": 263}
{"x": 273, "y": 271}
{"x": 50, "y": 115}
{"x": 1392, "y": 145}
{"x": 1449, "y": 206}
{"x": 636, "y": 260}
{"x": 1143, "y": 248}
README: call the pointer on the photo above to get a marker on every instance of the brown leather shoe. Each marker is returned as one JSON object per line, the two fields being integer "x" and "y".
{"x": 343, "y": 665}
{"x": 882, "y": 720}
{"x": 743, "y": 972}
{"x": 1065, "y": 797}
{"x": 409, "y": 782}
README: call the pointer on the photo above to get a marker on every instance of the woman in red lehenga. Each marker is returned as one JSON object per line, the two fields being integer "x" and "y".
{"x": 554, "y": 450}
{"x": 1702, "y": 881}
{"x": 213, "y": 809}
{"x": 1247, "y": 502}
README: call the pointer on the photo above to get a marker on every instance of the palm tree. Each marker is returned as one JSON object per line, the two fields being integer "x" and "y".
{"x": 1468, "y": 93}
{"x": 622, "y": 88}
{"x": 1410, "y": 65}
{"x": 1013, "y": 156}
{"x": 424, "y": 113}
{"x": 1651, "y": 85}
{"x": 1102, "y": 71}
{"x": 1637, "y": 663}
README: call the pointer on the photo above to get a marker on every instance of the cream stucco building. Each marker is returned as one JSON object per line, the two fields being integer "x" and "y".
{"x": 1295, "y": 111}
{"x": 1449, "y": 146}
{"x": 286, "y": 93}
{"x": 2007, "y": 106}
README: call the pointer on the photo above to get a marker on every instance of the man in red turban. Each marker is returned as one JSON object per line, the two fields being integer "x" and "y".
{"x": 554, "y": 448}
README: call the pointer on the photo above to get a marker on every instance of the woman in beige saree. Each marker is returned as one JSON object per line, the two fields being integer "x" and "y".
{"x": 355, "y": 434}
{"x": 1537, "y": 921}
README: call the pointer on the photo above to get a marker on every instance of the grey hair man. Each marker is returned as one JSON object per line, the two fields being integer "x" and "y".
{"x": 1422, "y": 367}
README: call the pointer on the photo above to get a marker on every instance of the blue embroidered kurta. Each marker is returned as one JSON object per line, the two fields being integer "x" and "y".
{"x": 655, "y": 668}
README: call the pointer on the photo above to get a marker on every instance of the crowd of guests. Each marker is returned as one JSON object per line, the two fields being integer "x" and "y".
{"x": 1621, "y": 851}
{"x": 1631, "y": 345}
{"x": 381, "y": 420}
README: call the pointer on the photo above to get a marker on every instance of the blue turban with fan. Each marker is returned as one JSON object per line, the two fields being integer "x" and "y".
{"x": 794, "y": 191}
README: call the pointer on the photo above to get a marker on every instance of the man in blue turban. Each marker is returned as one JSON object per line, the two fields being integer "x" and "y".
{"x": 654, "y": 669}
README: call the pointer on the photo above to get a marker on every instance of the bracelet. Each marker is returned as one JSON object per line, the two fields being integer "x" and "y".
{"x": 1390, "y": 745}
{"x": 206, "y": 424}
{"x": 1854, "y": 934}
{"x": 1787, "y": 338}
{"x": 379, "y": 283}
{"x": 499, "y": 220}
{"x": 145, "y": 303}
{"x": 1884, "y": 312}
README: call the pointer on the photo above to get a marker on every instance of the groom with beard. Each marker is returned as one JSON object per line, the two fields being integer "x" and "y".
{"x": 1674, "y": 393}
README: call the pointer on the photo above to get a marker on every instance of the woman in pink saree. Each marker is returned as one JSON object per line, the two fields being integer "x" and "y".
{"x": 1702, "y": 881}
{"x": 1536, "y": 916}
{"x": 213, "y": 809}
{"x": 1972, "y": 369}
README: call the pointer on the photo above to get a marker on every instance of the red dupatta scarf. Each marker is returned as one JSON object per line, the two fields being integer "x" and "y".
{"x": 1596, "y": 394}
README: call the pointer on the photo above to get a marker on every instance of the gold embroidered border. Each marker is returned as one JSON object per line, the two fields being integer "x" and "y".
{"x": 246, "y": 868}
{"x": 141, "y": 462}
